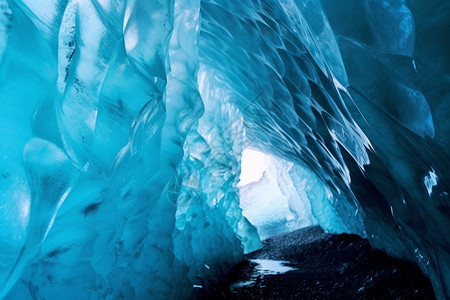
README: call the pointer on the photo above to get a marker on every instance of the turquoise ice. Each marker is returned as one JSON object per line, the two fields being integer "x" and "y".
{"x": 123, "y": 124}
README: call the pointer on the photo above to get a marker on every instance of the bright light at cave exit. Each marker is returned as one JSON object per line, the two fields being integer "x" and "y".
{"x": 253, "y": 165}
{"x": 268, "y": 197}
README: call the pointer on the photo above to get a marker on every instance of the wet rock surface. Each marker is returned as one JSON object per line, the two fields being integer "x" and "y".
{"x": 311, "y": 264}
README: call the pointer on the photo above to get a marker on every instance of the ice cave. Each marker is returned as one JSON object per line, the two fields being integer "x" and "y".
{"x": 149, "y": 145}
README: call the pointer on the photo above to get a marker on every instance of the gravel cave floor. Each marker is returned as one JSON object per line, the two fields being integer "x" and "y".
{"x": 311, "y": 264}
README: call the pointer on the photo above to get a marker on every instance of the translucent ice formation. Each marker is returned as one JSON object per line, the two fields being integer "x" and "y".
{"x": 123, "y": 124}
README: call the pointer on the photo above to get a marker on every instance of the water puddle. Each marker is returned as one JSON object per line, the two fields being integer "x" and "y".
{"x": 264, "y": 267}
{"x": 272, "y": 267}
{"x": 238, "y": 285}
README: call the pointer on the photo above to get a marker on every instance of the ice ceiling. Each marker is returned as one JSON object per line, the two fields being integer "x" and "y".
{"x": 123, "y": 123}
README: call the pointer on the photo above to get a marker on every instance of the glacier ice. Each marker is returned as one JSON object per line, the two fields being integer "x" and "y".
{"x": 123, "y": 125}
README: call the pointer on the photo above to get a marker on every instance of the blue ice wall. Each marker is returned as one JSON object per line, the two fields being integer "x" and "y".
{"x": 122, "y": 126}
{"x": 97, "y": 101}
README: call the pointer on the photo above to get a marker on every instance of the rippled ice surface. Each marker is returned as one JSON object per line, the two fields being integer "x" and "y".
{"x": 122, "y": 126}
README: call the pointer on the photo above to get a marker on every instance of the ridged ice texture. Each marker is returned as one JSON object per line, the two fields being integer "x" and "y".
{"x": 97, "y": 99}
{"x": 114, "y": 187}
{"x": 399, "y": 81}
{"x": 277, "y": 69}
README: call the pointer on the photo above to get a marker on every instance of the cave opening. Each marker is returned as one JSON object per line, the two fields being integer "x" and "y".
{"x": 268, "y": 196}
